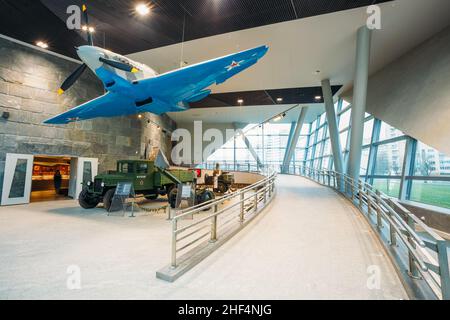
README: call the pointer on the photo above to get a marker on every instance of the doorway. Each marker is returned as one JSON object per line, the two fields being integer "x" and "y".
{"x": 51, "y": 176}
{"x": 33, "y": 178}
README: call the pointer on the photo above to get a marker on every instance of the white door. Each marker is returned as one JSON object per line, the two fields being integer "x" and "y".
{"x": 17, "y": 179}
{"x": 85, "y": 170}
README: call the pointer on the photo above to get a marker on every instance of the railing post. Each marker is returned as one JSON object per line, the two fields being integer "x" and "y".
{"x": 391, "y": 229}
{"x": 265, "y": 195}
{"x": 360, "y": 195}
{"x": 329, "y": 178}
{"x": 413, "y": 271}
{"x": 174, "y": 243}
{"x": 443, "y": 268}
{"x": 214, "y": 226}
{"x": 352, "y": 190}
{"x": 241, "y": 215}
{"x": 369, "y": 202}
{"x": 256, "y": 200}
{"x": 379, "y": 221}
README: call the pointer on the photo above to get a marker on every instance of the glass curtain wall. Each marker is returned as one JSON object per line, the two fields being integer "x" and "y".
{"x": 385, "y": 149}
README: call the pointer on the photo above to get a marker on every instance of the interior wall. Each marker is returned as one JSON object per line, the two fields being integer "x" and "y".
{"x": 29, "y": 79}
{"x": 413, "y": 93}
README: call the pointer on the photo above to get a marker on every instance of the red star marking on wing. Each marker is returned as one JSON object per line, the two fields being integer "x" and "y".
{"x": 233, "y": 65}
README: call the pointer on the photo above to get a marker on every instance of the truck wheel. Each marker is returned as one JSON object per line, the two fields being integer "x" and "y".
{"x": 221, "y": 187}
{"x": 152, "y": 197}
{"x": 173, "y": 197}
{"x": 107, "y": 198}
{"x": 86, "y": 202}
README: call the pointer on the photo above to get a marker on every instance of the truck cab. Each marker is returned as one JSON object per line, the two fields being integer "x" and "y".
{"x": 147, "y": 179}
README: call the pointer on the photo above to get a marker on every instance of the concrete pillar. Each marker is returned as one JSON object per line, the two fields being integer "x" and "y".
{"x": 292, "y": 144}
{"x": 359, "y": 100}
{"x": 332, "y": 126}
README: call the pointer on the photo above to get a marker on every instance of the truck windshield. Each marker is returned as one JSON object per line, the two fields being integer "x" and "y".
{"x": 142, "y": 168}
{"x": 125, "y": 167}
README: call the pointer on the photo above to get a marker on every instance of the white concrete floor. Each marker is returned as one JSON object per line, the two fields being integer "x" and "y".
{"x": 309, "y": 244}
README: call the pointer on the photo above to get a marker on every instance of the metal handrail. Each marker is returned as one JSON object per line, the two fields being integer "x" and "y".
{"x": 402, "y": 225}
{"x": 246, "y": 198}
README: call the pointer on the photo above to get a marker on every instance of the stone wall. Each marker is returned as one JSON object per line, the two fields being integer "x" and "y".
{"x": 29, "y": 80}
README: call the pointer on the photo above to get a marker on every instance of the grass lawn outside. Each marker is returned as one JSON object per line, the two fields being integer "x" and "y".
{"x": 435, "y": 193}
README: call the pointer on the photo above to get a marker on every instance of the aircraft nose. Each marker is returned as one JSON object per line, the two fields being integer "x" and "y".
{"x": 90, "y": 55}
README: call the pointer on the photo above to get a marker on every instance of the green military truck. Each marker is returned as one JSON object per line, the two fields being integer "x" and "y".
{"x": 148, "y": 180}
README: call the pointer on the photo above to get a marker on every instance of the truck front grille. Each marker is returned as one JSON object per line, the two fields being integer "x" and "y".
{"x": 98, "y": 185}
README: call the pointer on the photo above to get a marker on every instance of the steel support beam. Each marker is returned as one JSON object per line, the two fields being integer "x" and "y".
{"x": 332, "y": 126}
{"x": 292, "y": 144}
{"x": 250, "y": 148}
{"x": 408, "y": 168}
{"x": 359, "y": 100}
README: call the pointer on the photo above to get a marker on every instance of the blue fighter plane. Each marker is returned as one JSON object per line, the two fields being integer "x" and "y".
{"x": 132, "y": 87}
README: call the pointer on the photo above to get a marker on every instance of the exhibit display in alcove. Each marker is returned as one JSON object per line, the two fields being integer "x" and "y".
{"x": 133, "y": 87}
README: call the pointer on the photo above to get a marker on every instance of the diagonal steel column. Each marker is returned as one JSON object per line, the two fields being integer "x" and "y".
{"x": 332, "y": 126}
{"x": 250, "y": 148}
{"x": 290, "y": 149}
{"x": 359, "y": 101}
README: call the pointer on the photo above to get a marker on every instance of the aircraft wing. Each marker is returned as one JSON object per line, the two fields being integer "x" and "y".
{"x": 108, "y": 105}
{"x": 188, "y": 84}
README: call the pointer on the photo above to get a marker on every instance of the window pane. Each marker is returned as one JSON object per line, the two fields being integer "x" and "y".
{"x": 390, "y": 187}
{"x": 364, "y": 161}
{"x": 344, "y": 121}
{"x": 299, "y": 155}
{"x": 368, "y": 128}
{"x": 19, "y": 179}
{"x": 431, "y": 192}
{"x": 389, "y": 132}
{"x": 302, "y": 142}
{"x": 389, "y": 159}
{"x": 343, "y": 136}
{"x": 430, "y": 162}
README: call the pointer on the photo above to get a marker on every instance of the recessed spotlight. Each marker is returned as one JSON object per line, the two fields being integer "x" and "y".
{"x": 142, "y": 9}
{"x": 279, "y": 99}
{"x": 91, "y": 30}
{"x": 318, "y": 97}
{"x": 41, "y": 44}
{"x": 140, "y": 116}
{"x": 84, "y": 28}
{"x": 240, "y": 101}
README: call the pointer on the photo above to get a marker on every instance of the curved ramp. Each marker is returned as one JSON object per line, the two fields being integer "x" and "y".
{"x": 311, "y": 243}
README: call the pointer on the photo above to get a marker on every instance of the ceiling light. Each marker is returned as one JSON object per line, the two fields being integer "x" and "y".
{"x": 42, "y": 44}
{"x": 240, "y": 101}
{"x": 91, "y": 30}
{"x": 84, "y": 28}
{"x": 142, "y": 9}
{"x": 279, "y": 117}
{"x": 318, "y": 97}
{"x": 140, "y": 116}
{"x": 279, "y": 99}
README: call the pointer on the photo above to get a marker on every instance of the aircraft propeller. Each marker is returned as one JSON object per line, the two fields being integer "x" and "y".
{"x": 79, "y": 71}
{"x": 119, "y": 65}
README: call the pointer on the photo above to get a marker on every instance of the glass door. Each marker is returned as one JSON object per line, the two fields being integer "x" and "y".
{"x": 86, "y": 170}
{"x": 17, "y": 179}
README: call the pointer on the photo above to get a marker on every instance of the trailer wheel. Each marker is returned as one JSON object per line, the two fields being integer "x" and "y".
{"x": 86, "y": 202}
{"x": 107, "y": 198}
{"x": 206, "y": 196}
